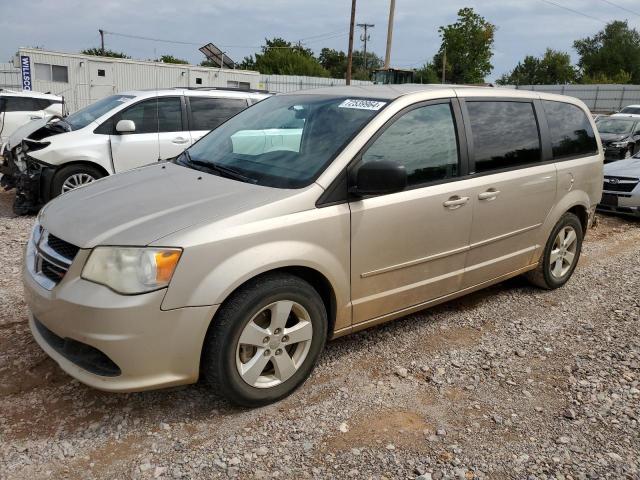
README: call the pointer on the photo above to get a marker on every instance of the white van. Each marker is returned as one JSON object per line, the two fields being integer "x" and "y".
{"x": 113, "y": 135}
{"x": 18, "y": 108}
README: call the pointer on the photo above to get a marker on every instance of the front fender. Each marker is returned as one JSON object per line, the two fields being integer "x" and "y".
{"x": 208, "y": 273}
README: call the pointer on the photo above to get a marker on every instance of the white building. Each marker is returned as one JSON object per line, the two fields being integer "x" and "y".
{"x": 83, "y": 79}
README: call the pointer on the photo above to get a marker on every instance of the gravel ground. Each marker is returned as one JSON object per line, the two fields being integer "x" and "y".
{"x": 511, "y": 382}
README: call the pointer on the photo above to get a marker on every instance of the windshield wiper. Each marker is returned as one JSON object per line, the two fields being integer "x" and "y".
{"x": 222, "y": 170}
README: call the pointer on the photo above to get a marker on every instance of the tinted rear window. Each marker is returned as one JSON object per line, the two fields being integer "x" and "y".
{"x": 571, "y": 132}
{"x": 209, "y": 113}
{"x": 505, "y": 134}
{"x": 22, "y": 104}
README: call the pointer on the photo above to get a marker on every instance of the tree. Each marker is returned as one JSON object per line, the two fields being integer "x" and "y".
{"x": 468, "y": 43}
{"x": 335, "y": 62}
{"x": 171, "y": 59}
{"x": 610, "y": 52}
{"x": 281, "y": 57}
{"x": 427, "y": 74}
{"x": 554, "y": 67}
{"x": 97, "y": 51}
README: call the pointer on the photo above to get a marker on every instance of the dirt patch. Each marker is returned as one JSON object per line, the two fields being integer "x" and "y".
{"x": 45, "y": 372}
{"x": 405, "y": 429}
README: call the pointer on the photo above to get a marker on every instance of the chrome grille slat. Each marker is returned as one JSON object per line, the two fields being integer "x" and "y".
{"x": 46, "y": 261}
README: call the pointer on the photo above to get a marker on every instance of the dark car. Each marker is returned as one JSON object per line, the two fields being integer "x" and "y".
{"x": 620, "y": 136}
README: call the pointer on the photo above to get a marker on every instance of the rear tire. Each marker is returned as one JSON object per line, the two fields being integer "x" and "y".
{"x": 73, "y": 176}
{"x": 561, "y": 254}
{"x": 264, "y": 341}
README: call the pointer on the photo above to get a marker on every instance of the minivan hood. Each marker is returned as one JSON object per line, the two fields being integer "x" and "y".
{"x": 623, "y": 168}
{"x": 143, "y": 205}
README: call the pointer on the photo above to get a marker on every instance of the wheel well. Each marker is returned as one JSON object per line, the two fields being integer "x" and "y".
{"x": 318, "y": 281}
{"x": 82, "y": 162}
{"x": 582, "y": 214}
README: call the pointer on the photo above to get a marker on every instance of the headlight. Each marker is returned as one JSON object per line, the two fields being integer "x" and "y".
{"x": 620, "y": 144}
{"x": 131, "y": 270}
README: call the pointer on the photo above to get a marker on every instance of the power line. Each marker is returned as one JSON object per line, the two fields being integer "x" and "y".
{"x": 621, "y": 7}
{"x": 181, "y": 42}
{"x": 574, "y": 11}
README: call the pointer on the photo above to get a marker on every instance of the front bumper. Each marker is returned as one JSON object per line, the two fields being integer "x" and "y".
{"x": 615, "y": 153}
{"x": 151, "y": 348}
{"x": 621, "y": 203}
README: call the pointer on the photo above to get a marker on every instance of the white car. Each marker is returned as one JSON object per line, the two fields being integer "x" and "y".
{"x": 18, "y": 108}
{"x": 631, "y": 110}
{"x": 113, "y": 135}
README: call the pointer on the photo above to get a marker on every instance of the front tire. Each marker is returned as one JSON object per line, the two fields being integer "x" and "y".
{"x": 71, "y": 177}
{"x": 561, "y": 254}
{"x": 265, "y": 340}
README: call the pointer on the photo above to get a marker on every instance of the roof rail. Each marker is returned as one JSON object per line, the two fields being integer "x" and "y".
{"x": 230, "y": 89}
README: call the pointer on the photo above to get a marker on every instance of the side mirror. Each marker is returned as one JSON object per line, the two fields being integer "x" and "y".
{"x": 126, "y": 126}
{"x": 380, "y": 177}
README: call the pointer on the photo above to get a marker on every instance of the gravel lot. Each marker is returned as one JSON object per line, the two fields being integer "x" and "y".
{"x": 512, "y": 382}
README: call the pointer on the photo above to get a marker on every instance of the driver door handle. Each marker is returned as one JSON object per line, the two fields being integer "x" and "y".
{"x": 180, "y": 140}
{"x": 490, "y": 194}
{"x": 455, "y": 202}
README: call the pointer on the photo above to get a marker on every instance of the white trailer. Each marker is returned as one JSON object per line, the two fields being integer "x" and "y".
{"x": 83, "y": 79}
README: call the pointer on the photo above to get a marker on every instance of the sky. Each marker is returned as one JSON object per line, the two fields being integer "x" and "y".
{"x": 525, "y": 27}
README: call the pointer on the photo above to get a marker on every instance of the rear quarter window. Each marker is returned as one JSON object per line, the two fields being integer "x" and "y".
{"x": 570, "y": 129}
{"x": 209, "y": 113}
{"x": 505, "y": 134}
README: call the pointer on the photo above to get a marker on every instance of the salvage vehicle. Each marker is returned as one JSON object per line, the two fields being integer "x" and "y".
{"x": 621, "y": 190}
{"x": 115, "y": 134}
{"x": 18, "y": 108}
{"x": 620, "y": 135}
{"x": 238, "y": 265}
{"x": 631, "y": 109}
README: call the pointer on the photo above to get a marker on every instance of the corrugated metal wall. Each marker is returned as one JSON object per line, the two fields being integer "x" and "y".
{"x": 92, "y": 78}
{"x": 291, "y": 83}
{"x": 10, "y": 77}
{"x": 599, "y": 98}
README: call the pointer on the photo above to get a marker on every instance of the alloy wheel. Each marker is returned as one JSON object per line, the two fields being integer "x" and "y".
{"x": 77, "y": 180}
{"x": 274, "y": 344}
{"x": 563, "y": 254}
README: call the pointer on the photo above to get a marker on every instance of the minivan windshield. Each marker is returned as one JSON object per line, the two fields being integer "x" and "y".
{"x": 84, "y": 117}
{"x": 284, "y": 141}
{"x": 615, "y": 125}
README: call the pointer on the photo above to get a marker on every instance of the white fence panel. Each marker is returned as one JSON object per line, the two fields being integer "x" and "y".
{"x": 10, "y": 77}
{"x": 292, "y": 83}
{"x": 604, "y": 98}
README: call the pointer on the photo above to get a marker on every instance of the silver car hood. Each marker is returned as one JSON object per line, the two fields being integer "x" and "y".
{"x": 623, "y": 168}
{"x": 143, "y": 205}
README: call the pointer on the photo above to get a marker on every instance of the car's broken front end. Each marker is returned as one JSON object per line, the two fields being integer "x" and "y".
{"x": 24, "y": 173}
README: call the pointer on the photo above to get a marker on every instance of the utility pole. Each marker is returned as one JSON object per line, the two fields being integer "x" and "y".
{"x": 101, "y": 40}
{"x": 350, "y": 55}
{"x": 387, "y": 56}
{"x": 365, "y": 38}
{"x": 444, "y": 64}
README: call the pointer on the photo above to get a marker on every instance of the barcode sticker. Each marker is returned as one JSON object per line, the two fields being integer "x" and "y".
{"x": 361, "y": 104}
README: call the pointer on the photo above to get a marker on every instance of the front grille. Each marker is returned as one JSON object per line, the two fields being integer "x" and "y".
{"x": 52, "y": 271}
{"x": 83, "y": 355}
{"x": 62, "y": 248}
{"x": 619, "y": 184}
{"x": 51, "y": 258}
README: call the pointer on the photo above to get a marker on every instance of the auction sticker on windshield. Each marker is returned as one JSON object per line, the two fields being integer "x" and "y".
{"x": 362, "y": 104}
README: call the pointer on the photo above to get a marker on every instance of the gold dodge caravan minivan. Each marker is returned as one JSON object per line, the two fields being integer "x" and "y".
{"x": 306, "y": 217}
